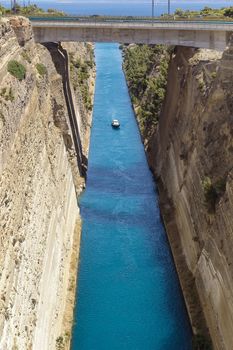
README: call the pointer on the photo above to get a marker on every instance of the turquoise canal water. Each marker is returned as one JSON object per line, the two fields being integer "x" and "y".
{"x": 128, "y": 295}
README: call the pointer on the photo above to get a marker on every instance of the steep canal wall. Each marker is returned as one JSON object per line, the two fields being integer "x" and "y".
{"x": 190, "y": 151}
{"x": 40, "y": 179}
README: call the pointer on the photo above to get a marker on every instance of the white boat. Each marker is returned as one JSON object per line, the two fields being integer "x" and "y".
{"x": 115, "y": 123}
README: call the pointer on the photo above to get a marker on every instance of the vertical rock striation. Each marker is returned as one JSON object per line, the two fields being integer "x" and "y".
{"x": 192, "y": 157}
{"x": 39, "y": 183}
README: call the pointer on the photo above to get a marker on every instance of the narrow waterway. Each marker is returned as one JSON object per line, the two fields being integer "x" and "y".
{"x": 128, "y": 295}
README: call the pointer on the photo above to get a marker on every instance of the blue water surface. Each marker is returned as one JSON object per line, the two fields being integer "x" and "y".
{"x": 128, "y": 295}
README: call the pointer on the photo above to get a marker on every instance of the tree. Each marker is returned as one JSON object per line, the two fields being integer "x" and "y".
{"x": 229, "y": 12}
{"x": 206, "y": 10}
{"x": 179, "y": 12}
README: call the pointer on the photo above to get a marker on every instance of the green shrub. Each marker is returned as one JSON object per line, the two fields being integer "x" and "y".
{"x": 16, "y": 69}
{"x": 10, "y": 95}
{"x": 3, "y": 92}
{"x": 26, "y": 56}
{"x": 213, "y": 191}
{"x": 77, "y": 64}
{"x": 90, "y": 63}
{"x": 213, "y": 75}
{"x": 79, "y": 76}
{"x": 42, "y": 70}
{"x": 229, "y": 12}
{"x": 210, "y": 194}
{"x": 220, "y": 186}
{"x": 201, "y": 86}
{"x": 179, "y": 12}
{"x": 60, "y": 343}
{"x": 200, "y": 342}
{"x": 7, "y": 95}
{"x": 2, "y": 118}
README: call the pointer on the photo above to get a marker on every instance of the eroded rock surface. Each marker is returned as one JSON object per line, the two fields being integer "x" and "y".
{"x": 192, "y": 157}
{"x": 39, "y": 183}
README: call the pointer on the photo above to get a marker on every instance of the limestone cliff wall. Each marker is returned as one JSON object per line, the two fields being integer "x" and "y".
{"x": 39, "y": 183}
{"x": 191, "y": 154}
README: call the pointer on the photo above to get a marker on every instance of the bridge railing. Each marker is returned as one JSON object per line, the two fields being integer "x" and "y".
{"x": 128, "y": 19}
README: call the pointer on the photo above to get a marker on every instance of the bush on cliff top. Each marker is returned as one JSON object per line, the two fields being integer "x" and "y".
{"x": 229, "y": 12}
{"x": 16, "y": 69}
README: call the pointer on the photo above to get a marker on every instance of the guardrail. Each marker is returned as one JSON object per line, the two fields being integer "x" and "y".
{"x": 97, "y": 19}
{"x": 69, "y": 22}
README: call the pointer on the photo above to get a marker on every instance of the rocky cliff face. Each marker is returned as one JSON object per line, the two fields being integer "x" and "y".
{"x": 39, "y": 182}
{"x": 191, "y": 154}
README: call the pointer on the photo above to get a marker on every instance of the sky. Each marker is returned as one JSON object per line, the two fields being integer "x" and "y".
{"x": 140, "y": 1}
{"x": 121, "y": 7}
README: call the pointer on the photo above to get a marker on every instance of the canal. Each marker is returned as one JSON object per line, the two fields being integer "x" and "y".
{"x": 128, "y": 294}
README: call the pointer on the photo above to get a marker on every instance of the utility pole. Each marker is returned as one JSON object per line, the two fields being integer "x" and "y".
{"x": 169, "y": 7}
{"x": 153, "y": 5}
{"x": 13, "y": 8}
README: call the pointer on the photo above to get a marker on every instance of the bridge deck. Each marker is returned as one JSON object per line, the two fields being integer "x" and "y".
{"x": 203, "y": 34}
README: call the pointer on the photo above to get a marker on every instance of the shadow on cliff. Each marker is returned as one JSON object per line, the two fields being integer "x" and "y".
{"x": 61, "y": 62}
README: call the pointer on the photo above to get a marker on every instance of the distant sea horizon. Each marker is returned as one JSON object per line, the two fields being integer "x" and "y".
{"x": 120, "y": 8}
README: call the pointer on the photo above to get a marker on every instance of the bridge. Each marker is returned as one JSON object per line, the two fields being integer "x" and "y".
{"x": 199, "y": 34}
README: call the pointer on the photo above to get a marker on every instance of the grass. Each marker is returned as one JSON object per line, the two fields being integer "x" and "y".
{"x": 16, "y": 69}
